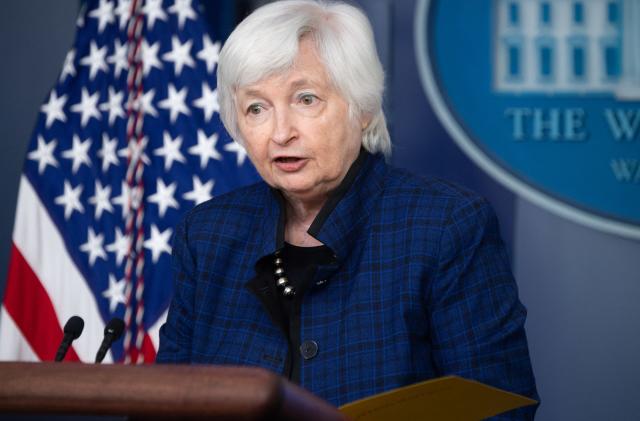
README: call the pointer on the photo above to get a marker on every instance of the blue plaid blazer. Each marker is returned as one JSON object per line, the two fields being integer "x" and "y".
{"x": 420, "y": 287}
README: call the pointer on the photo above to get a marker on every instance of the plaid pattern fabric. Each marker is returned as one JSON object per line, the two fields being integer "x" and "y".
{"x": 421, "y": 288}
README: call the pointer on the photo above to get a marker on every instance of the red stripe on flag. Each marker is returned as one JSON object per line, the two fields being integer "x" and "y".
{"x": 29, "y": 305}
{"x": 148, "y": 350}
{"x": 146, "y": 354}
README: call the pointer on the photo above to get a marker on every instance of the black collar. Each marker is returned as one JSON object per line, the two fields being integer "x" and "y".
{"x": 345, "y": 211}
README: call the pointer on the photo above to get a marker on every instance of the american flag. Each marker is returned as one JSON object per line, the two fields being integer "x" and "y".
{"x": 128, "y": 140}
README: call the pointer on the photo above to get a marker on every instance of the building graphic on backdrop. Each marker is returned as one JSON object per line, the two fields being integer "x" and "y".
{"x": 567, "y": 46}
{"x": 560, "y": 117}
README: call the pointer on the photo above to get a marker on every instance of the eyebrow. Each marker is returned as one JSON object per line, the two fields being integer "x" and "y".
{"x": 296, "y": 84}
{"x": 302, "y": 82}
{"x": 252, "y": 92}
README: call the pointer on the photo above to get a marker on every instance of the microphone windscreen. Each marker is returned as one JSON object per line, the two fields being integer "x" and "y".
{"x": 74, "y": 326}
{"x": 115, "y": 327}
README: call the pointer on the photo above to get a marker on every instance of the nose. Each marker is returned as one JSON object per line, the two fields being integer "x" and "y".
{"x": 284, "y": 128}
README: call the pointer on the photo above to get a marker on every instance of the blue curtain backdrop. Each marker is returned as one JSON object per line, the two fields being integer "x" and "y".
{"x": 580, "y": 286}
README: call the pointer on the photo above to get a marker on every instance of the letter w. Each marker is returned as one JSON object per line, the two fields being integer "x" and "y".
{"x": 626, "y": 170}
{"x": 623, "y": 123}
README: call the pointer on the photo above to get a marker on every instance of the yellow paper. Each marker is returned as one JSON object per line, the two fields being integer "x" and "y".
{"x": 442, "y": 399}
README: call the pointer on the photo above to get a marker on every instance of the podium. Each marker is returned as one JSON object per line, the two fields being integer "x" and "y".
{"x": 157, "y": 392}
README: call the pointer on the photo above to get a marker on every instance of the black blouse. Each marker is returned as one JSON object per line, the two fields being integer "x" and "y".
{"x": 299, "y": 264}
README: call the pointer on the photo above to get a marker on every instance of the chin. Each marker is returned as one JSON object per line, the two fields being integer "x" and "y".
{"x": 293, "y": 184}
{"x": 301, "y": 190}
{"x": 295, "y": 189}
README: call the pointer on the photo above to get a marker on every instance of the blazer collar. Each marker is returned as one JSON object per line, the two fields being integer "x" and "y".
{"x": 342, "y": 216}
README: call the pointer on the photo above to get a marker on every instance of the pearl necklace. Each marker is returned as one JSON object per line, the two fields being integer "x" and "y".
{"x": 281, "y": 279}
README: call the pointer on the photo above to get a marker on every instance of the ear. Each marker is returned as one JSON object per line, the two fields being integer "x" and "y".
{"x": 365, "y": 120}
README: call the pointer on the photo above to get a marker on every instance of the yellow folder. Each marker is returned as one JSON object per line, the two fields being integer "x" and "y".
{"x": 443, "y": 399}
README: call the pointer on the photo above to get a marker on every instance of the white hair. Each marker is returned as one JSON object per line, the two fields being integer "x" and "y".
{"x": 266, "y": 43}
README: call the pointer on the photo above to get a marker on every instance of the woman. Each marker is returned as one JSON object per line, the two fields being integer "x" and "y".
{"x": 338, "y": 271}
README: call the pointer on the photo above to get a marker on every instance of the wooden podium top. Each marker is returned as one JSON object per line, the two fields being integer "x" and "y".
{"x": 157, "y": 392}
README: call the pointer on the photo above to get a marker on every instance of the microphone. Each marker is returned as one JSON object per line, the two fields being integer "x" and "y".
{"x": 72, "y": 330}
{"x": 112, "y": 333}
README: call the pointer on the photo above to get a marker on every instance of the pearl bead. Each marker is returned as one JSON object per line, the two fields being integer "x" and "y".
{"x": 282, "y": 282}
{"x": 288, "y": 291}
{"x": 278, "y": 261}
{"x": 279, "y": 272}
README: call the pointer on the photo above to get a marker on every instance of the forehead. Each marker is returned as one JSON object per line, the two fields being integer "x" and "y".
{"x": 307, "y": 70}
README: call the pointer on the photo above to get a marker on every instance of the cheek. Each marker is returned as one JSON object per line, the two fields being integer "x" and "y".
{"x": 257, "y": 155}
{"x": 259, "y": 158}
{"x": 340, "y": 138}
{"x": 253, "y": 142}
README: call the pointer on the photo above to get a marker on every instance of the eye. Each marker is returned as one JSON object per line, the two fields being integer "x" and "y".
{"x": 308, "y": 99}
{"x": 254, "y": 109}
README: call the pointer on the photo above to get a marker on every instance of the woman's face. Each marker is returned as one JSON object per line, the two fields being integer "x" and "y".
{"x": 297, "y": 129}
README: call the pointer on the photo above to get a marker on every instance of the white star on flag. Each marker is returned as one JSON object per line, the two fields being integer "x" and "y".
{"x": 146, "y": 104}
{"x": 104, "y": 14}
{"x": 201, "y": 192}
{"x": 158, "y": 243}
{"x": 206, "y": 148}
{"x": 175, "y": 103}
{"x": 123, "y": 12}
{"x": 100, "y": 199}
{"x": 87, "y": 107}
{"x": 108, "y": 152}
{"x": 113, "y": 106}
{"x": 170, "y": 150}
{"x": 129, "y": 199}
{"x": 81, "y": 15}
{"x": 164, "y": 197}
{"x": 70, "y": 199}
{"x": 135, "y": 150}
{"x": 93, "y": 246}
{"x": 118, "y": 58}
{"x": 78, "y": 153}
{"x": 153, "y": 10}
{"x": 68, "y": 68}
{"x": 180, "y": 55}
{"x": 183, "y": 9}
{"x": 120, "y": 246}
{"x": 208, "y": 101}
{"x": 209, "y": 53}
{"x": 53, "y": 108}
{"x": 44, "y": 154}
{"x": 124, "y": 200}
{"x": 238, "y": 149}
{"x": 115, "y": 293}
{"x": 150, "y": 57}
{"x": 96, "y": 60}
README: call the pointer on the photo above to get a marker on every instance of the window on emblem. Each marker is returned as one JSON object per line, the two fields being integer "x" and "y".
{"x": 578, "y": 54}
{"x": 612, "y": 61}
{"x": 546, "y": 62}
{"x": 578, "y": 13}
{"x": 514, "y": 61}
{"x": 613, "y": 12}
{"x": 545, "y": 13}
{"x": 514, "y": 14}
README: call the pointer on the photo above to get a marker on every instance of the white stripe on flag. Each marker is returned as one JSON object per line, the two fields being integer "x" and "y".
{"x": 14, "y": 345}
{"x": 154, "y": 331}
{"x": 42, "y": 246}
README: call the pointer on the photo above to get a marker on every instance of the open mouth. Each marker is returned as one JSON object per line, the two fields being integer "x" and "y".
{"x": 290, "y": 163}
{"x": 288, "y": 159}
